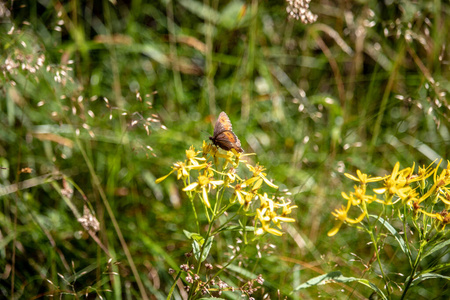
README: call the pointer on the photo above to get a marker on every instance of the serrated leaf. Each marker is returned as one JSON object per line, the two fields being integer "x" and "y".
{"x": 337, "y": 276}
{"x": 197, "y": 249}
{"x": 394, "y": 232}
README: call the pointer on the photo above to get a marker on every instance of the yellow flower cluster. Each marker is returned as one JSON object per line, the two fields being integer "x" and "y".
{"x": 270, "y": 211}
{"x": 401, "y": 186}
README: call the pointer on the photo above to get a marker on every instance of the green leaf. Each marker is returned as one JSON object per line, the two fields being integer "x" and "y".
{"x": 437, "y": 247}
{"x": 396, "y": 235}
{"x": 426, "y": 276}
{"x": 436, "y": 268}
{"x": 197, "y": 248}
{"x": 231, "y": 16}
{"x": 242, "y": 271}
{"x": 200, "y": 10}
{"x": 194, "y": 236}
{"x": 236, "y": 228}
{"x": 337, "y": 276}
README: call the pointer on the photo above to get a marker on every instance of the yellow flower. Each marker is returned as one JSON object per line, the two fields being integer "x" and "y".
{"x": 358, "y": 196}
{"x": 258, "y": 177}
{"x": 351, "y": 199}
{"x": 182, "y": 170}
{"x": 226, "y": 156}
{"x": 248, "y": 200}
{"x": 231, "y": 174}
{"x": 396, "y": 184}
{"x": 411, "y": 197}
{"x": 204, "y": 183}
{"x": 363, "y": 178}
{"x": 191, "y": 156}
{"x": 341, "y": 217}
{"x": 443, "y": 218}
{"x": 423, "y": 173}
{"x": 237, "y": 158}
{"x": 207, "y": 148}
{"x": 444, "y": 195}
{"x": 267, "y": 213}
{"x": 264, "y": 216}
{"x": 443, "y": 179}
{"x": 239, "y": 193}
{"x": 287, "y": 209}
{"x": 233, "y": 157}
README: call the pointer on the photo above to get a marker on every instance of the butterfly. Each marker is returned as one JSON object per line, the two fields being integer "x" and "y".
{"x": 223, "y": 136}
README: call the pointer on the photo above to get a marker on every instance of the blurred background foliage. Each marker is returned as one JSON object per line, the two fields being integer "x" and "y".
{"x": 99, "y": 98}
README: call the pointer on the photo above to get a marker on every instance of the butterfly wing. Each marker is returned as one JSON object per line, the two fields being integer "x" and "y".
{"x": 223, "y": 123}
{"x": 227, "y": 140}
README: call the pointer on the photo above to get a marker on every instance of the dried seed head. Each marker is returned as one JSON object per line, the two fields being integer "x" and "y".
{"x": 299, "y": 10}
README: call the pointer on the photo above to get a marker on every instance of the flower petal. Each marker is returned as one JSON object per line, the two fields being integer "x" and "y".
{"x": 191, "y": 187}
{"x": 217, "y": 182}
{"x": 164, "y": 177}
{"x": 269, "y": 183}
{"x": 350, "y": 176}
{"x": 357, "y": 220}
{"x": 239, "y": 196}
{"x": 257, "y": 184}
{"x": 205, "y": 197}
{"x": 380, "y": 190}
{"x": 335, "y": 229}
{"x": 273, "y": 231}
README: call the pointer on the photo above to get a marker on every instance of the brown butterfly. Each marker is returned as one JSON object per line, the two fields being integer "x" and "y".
{"x": 224, "y": 137}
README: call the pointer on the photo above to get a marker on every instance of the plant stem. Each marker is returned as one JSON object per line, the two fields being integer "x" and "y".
{"x": 385, "y": 278}
{"x": 191, "y": 198}
{"x": 406, "y": 235}
{"x": 199, "y": 261}
{"x": 424, "y": 237}
{"x": 126, "y": 250}
{"x": 375, "y": 244}
{"x": 413, "y": 271}
{"x": 173, "y": 285}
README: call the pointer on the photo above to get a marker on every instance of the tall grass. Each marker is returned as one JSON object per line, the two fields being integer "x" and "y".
{"x": 98, "y": 98}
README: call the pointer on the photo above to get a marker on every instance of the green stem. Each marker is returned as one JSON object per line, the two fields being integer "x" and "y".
{"x": 405, "y": 213}
{"x": 228, "y": 263}
{"x": 386, "y": 94}
{"x": 199, "y": 261}
{"x": 224, "y": 224}
{"x": 191, "y": 198}
{"x": 424, "y": 238}
{"x": 173, "y": 285}
{"x": 413, "y": 271}
{"x": 126, "y": 250}
{"x": 385, "y": 278}
{"x": 375, "y": 244}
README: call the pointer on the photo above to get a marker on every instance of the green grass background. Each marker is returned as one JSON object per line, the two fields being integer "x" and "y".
{"x": 362, "y": 88}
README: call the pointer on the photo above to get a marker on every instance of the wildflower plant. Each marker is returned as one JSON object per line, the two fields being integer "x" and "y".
{"x": 229, "y": 202}
{"x": 412, "y": 207}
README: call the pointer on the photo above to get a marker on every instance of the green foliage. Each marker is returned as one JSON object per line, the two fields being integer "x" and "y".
{"x": 98, "y": 98}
